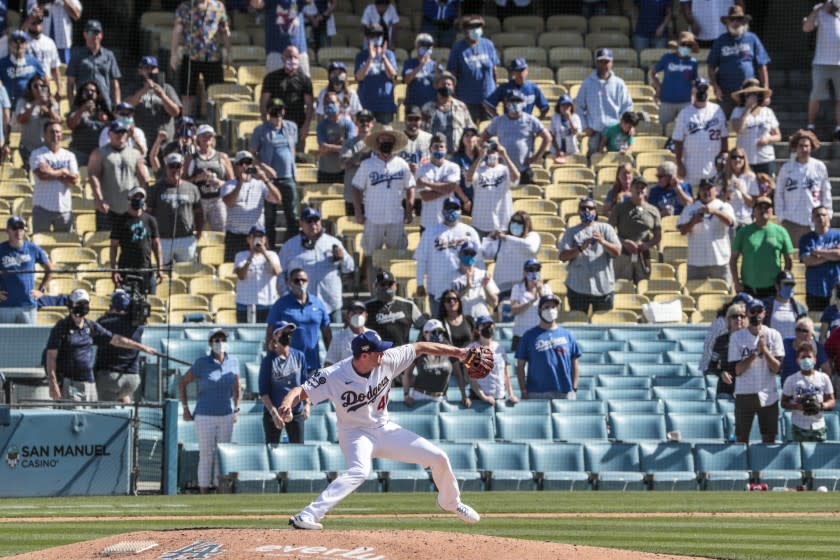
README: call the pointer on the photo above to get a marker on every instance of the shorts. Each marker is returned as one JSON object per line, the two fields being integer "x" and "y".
{"x": 376, "y": 235}
{"x": 180, "y": 249}
{"x": 821, "y": 75}
{"x": 116, "y": 385}
{"x": 215, "y": 213}
{"x": 78, "y": 390}
{"x": 42, "y": 219}
{"x": 747, "y": 406}
{"x": 190, "y": 70}
{"x": 19, "y": 315}
{"x": 711, "y": 271}
{"x": 803, "y": 434}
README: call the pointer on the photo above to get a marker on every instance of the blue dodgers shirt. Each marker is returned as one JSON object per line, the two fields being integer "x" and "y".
{"x": 75, "y": 344}
{"x": 678, "y": 74}
{"x": 216, "y": 381}
{"x": 473, "y": 65}
{"x": 421, "y": 90}
{"x": 820, "y": 279}
{"x": 376, "y": 91}
{"x": 549, "y": 355}
{"x": 15, "y": 76}
{"x": 279, "y": 375}
{"x": 530, "y": 92}
{"x": 280, "y": 29}
{"x": 309, "y": 318}
{"x": 662, "y": 197}
{"x": 21, "y": 264}
{"x": 736, "y": 59}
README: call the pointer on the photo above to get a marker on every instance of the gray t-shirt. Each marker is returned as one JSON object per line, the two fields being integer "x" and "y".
{"x": 149, "y": 114}
{"x": 517, "y": 136}
{"x": 174, "y": 205}
{"x": 353, "y": 151}
{"x": 592, "y": 272}
{"x": 31, "y": 133}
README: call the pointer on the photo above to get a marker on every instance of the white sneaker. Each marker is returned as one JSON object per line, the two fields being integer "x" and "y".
{"x": 299, "y": 522}
{"x": 467, "y": 514}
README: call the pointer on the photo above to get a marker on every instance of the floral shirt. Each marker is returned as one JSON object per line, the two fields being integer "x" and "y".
{"x": 203, "y": 26}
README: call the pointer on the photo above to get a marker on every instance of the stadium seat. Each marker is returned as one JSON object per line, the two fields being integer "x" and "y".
{"x": 821, "y": 462}
{"x": 530, "y": 24}
{"x": 559, "y": 57}
{"x": 333, "y": 462}
{"x": 614, "y": 466}
{"x": 424, "y": 425}
{"x": 578, "y": 426}
{"x": 558, "y": 466}
{"x": 597, "y": 346}
{"x": 397, "y": 476}
{"x": 614, "y": 316}
{"x": 552, "y": 39}
{"x": 722, "y": 466}
{"x": 776, "y": 464}
{"x": 462, "y": 458}
{"x": 248, "y": 429}
{"x": 669, "y": 465}
{"x": 696, "y": 427}
{"x": 655, "y": 346}
{"x": 470, "y": 427}
{"x": 506, "y": 465}
{"x": 513, "y": 39}
{"x": 315, "y": 429}
{"x": 576, "y": 407}
{"x": 187, "y": 465}
{"x": 619, "y": 357}
{"x": 245, "y": 468}
{"x": 633, "y": 426}
{"x": 679, "y": 393}
{"x": 298, "y": 467}
{"x": 609, "y": 393}
{"x": 636, "y": 406}
{"x": 527, "y": 407}
{"x": 680, "y": 381}
{"x": 624, "y": 381}
{"x": 564, "y": 22}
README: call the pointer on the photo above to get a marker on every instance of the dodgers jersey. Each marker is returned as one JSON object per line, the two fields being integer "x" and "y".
{"x": 361, "y": 401}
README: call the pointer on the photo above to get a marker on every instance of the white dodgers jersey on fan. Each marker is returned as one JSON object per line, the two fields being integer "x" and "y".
{"x": 360, "y": 401}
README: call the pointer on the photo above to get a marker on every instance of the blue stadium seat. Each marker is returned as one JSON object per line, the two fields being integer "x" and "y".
{"x": 419, "y": 407}
{"x": 455, "y": 426}
{"x": 669, "y": 465}
{"x": 609, "y": 393}
{"x": 592, "y": 370}
{"x": 506, "y": 465}
{"x": 245, "y": 468}
{"x": 597, "y": 346}
{"x": 464, "y": 464}
{"x": 624, "y": 382}
{"x": 322, "y": 408}
{"x": 683, "y": 333}
{"x": 614, "y": 466}
{"x": 578, "y": 407}
{"x": 333, "y": 462}
{"x": 589, "y": 333}
{"x": 655, "y": 346}
{"x": 679, "y": 394}
{"x": 722, "y": 466}
{"x": 632, "y": 426}
{"x": 578, "y": 426}
{"x": 755, "y": 432}
{"x": 252, "y": 407}
{"x": 298, "y": 467}
{"x": 776, "y": 464}
{"x": 679, "y": 381}
{"x": 521, "y": 427}
{"x": 636, "y": 332}
{"x": 678, "y": 357}
{"x": 592, "y": 358}
{"x": 725, "y": 406}
{"x": 691, "y": 345}
{"x": 821, "y": 462}
{"x": 424, "y": 425}
{"x": 188, "y": 466}
{"x": 315, "y": 429}
{"x": 186, "y": 432}
{"x": 558, "y": 466}
{"x": 528, "y": 407}
{"x": 697, "y": 427}
{"x": 478, "y": 407}
{"x": 248, "y": 429}
{"x": 251, "y": 334}
{"x": 832, "y": 424}
{"x": 651, "y": 406}
{"x": 397, "y": 476}
{"x": 667, "y": 370}
{"x": 332, "y": 426}
{"x": 618, "y": 357}
{"x": 695, "y": 407}
{"x": 251, "y": 377}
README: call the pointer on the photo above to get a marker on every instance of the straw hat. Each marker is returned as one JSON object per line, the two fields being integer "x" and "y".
{"x": 751, "y": 85}
{"x": 685, "y": 37}
{"x": 401, "y": 140}
{"x": 735, "y": 12}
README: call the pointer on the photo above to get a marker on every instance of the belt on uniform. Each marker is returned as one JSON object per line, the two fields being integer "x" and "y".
{"x": 430, "y": 393}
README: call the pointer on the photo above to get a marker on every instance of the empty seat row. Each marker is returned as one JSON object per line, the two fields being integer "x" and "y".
{"x": 541, "y": 466}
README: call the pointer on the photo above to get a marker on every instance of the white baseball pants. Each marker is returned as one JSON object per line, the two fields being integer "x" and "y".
{"x": 210, "y": 431}
{"x": 391, "y": 442}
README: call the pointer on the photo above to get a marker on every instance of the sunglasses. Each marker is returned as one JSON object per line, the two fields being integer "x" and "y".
{"x": 758, "y": 311}
{"x": 245, "y": 162}
{"x": 801, "y": 330}
{"x": 738, "y": 316}
{"x": 736, "y": 157}
{"x": 171, "y": 165}
{"x": 588, "y": 208}
{"x": 437, "y": 332}
{"x": 450, "y": 299}
{"x": 662, "y": 176}
{"x": 299, "y": 280}
{"x": 218, "y": 340}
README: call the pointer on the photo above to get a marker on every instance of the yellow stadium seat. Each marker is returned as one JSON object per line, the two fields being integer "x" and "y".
{"x": 72, "y": 255}
{"x": 96, "y": 239}
{"x": 612, "y": 159}
{"x": 404, "y": 269}
{"x": 305, "y": 175}
{"x": 530, "y": 24}
{"x": 686, "y": 302}
{"x": 232, "y": 92}
{"x": 49, "y": 317}
{"x": 675, "y": 254}
{"x": 248, "y": 53}
{"x": 563, "y": 191}
{"x": 566, "y": 317}
{"x": 226, "y": 317}
{"x": 573, "y": 175}
{"x": 548, "y": 253}
{"x": 551, "y": 39}
{"x": 631, "y": 74}
{"x": 658, "y": 286}
{"x": 535, "y": 206}
{"x": 649, "y": 57}
{"x": 212, "y": 255}
{"x": 598, "y": 40}
{"x": 187, "y": 270}
{"x": 67, "y": 285}
{"x": 626, "y": 58}
{"x": 339, "y": 54}
{"x": 623, "y": 286}
{"x": 543, "y": 223}
{"x": 171, "y": 286}
{"x": 712, "y": 301}
{"x": 250, "y": 75}
{"x": 614, "y": 316}
{"x": 157, "y": 19}
{"x": 569, "y": 208}
{"x": 566, "y": 23}
{"x": 513, "y": 39}
{"x": 669, "y": 223}
{"x": 554, "y": 271}
{"x": 705, "y": 316}
{"x": 534, "y": 55}
{"x": 221, "y": 301}
{"x": 208, "y": 285}
{"x": 709, "y": 286}
{"x": 188, "y": 302}
{"x": 56, "y": 239}
{"x": 570, "y": 75}
{"x": 611, "y": 24}
{"x": 570, "y": 56}
{"x": 673, "y": 239}
{"x": 211, "y": 238}
{"x": 653, "y": 159}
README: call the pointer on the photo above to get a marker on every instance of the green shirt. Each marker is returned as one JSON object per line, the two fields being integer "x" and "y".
{"x": 616, "y": 138}
{"x": 762, "y": 249}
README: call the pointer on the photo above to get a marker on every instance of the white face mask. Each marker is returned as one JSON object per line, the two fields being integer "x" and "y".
{"x": 549, "y": 314}
{"x": 684, "y": 51}
{"x": 218, "y": 347}
{"x": 492, "y": 159}
{"x": 357, "y": 321}
{"x": 735, "y": 29}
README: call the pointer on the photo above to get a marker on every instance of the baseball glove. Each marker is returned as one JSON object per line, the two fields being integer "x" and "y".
{"x": 811, "y": 406}
{"x": 479, "y": 362}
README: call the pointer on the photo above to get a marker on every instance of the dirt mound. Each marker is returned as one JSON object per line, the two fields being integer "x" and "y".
{"x": 289, "y": 544}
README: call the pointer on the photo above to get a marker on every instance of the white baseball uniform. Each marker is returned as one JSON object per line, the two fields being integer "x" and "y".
{"x": 700, "y": 131}
{"x": 364, "y": 430}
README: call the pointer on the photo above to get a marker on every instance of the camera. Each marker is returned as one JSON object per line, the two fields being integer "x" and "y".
{"x": 139, "y": 309}
{"x": 492, "y": 146}
{"x": 251, "y": 170}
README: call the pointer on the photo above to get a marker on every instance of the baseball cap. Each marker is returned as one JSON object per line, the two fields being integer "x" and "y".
{"x": 369, "y": 342}
{"x": 452, "y": 203}
{"x": 385, "y": 277}
{"x": 742, "y": 297}
{"x": 78, "y": 295}
{"x": 93, "y": 25}
{"x": 565, "y": 99}
{"x": 281, "y": 326}
{"x": 532, "y": 263}
{"x": 256, "y": 230}
{"x": 364, "y": 115}
{"x": 123, "y": 106}
{"x": 174, "y": 158}
{"x": 15, "y": 222}
{"x": 514, "y": 95}
{"x": 438, "y": 138}
{"x": 484, "y": 320}
{"x": 118, "y": 126}
{"x": 413, "y": 111}
{"x": 763, "y": 200}
{"x": 135, "y": 191}
{"x": 374, "y": 29}
{"x": 755, "y": 304}
{"x": 217, "y": 332}
{"x": 431, "y": 325}
{"x": 276, "y": 103}
{"x": 309, "y": 213}
{"x": 242, "y": 155}
{"x": 785, "y": 277}
{"x": 20, "y": 36}
{"x": 701, "y": 83}
{"x": 604, "y": 54}
{"x": 336, "y": 65}
{"x": 120, "y": 300}
{"x": 473, "y": 20}
{"x": 205, "y": 129}
{"x": 149, "y": 61}
{"x": 356, "y": 305}
{"x": 547, "y": 298}
{"x": 517, "y": 64}
{"x": 468, "y": 246}
{"x": 186, "y": 121}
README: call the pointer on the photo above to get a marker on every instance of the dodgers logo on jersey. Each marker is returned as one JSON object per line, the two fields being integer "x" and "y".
{"x": 377, "y": 178}
{"x": 392, "y": 317}
{"x": 557, "y": 344}
{"x": 809, "y": 184}
{"x": 699, "y": 126}
{"x": 486, "y": 182}
{"x": 744, "y": 50}
{"x": 354, "y": 401}
{"x": 445, "y": 245}
{"x": 15, "y": 261}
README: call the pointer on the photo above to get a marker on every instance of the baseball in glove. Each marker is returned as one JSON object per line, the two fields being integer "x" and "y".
{"x": 811, "y": 406}
{"x": 479, "y": 361}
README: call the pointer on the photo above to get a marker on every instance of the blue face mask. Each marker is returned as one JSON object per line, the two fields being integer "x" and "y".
{"x": 423, "y": 51}
{"x": 517, "y": 229}
{"x": 515, "y": 108}
{"x": 786, "y": 291}
{"x": 684, "y": 51}
{"x": 450, "y": 216}
{"x": 376, "y": 41}
{"x": 439, "y": 154}
{"x": 435, "y": 337}
{"x": 587, "y": 217}
{"x": 467, "y": 260}
{"x": 476, "y": 34}
{"x": 532, "y": 276}
{"x": 806, "y": 364}
{"x": 332, "y": 109}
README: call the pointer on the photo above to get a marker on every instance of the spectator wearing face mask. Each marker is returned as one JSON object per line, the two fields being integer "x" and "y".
{"x": 700, "y": 134}
{"x": 530, "y": 92}
{"x": 333, "y": 131}
{"x": 479, "y": 293}
{"x": 679, "y": 70}
{"x": 669, "y": 194}
{"x": 285, "y": 26}
{"x": 496, "y": 386}
{"x": 308, "y": 312}
{"x": 510, "y": 248}
{"x": 419, "y": 73}
{"x": 428, "y": 377}
{"x": 492, "y": 175}
{"x": 376, "y": 71}
{"x": 564, "y": 129}
{"x": 473, "y": 61}
{"x": 294, "y": 87}
{"x": 348, "y": 100}
{"x": 706, "y": 224}
{"x": 436, "y": 181}
{"x": 384, "y": 13}
{"x": 417, "y": 150}
{"x": 590, "y": 248}
{"x": 524, "y": 298}
{"x": 389, "y": 315}
{"x": 445, "y": 113}
{"x": 257, "y": 270}
{"x": 783, "y": 311}
{"x": 602, "y": 99}
{"x": 355, "y": 317}
{"x": 282, "y": 368}
{"x": 756, "y": 125}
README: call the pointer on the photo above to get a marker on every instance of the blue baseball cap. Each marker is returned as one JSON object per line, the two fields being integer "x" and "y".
{"x": 369, "y": 342}
{"x": 452, "y": 203}
{"x": 281, "y": 326}
{"x": 701, "y": 83}
{"x": 118, "y": 126}
{"x": 120, "y": 300}
{"x": 20, "y": 36}
{"x": 337, "y": 65}
{"x": 546, "y": 299}
{"x": 468, "y": 246}
{"x": 531, "y": 262}
{"x": 123, "y": 106}
{"x": 310, "y": 213}
{"x": 484, "y": 320}
{"x": 256, "y": 230}
{"x": 604, "y": 54}
{"x": 149, "y": 62}
{"x": 15, "y": 222}
{"x": 565, "y": 99}
{"x": 518, "y": 64}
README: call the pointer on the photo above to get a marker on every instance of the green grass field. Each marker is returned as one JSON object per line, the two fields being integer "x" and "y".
{"x": 802, "y": 532}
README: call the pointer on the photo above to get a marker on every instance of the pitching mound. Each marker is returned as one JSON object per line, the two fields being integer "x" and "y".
{"x": 288, "y": 544}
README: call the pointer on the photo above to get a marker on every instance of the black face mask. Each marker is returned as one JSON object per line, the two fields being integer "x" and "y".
{"x": 755, "y": 320}
{"x": 138, "y": 203}
{"x": 386, "y": 147}
{"x": 338, "y": 81}
{"x": 487, "y": 332}
{"x": 702, "y": 95}
{"x": 81, "y": 309}
{"x": 445, "y": 91}
{"x": 307, "y": 243}
{"x": 285, "y": 339}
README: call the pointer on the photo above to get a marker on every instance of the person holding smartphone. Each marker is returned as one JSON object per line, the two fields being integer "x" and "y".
{"x": 257, "y": 270}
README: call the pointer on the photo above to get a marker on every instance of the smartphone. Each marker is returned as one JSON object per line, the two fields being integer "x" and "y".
{"x": 251, "y": 170}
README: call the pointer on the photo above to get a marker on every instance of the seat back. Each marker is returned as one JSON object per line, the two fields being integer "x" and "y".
{"x": 601, "y": 457}
{"x": 529, "y": 407}
{"x": 630, "y": 426}
{"x": 694, "y": 426}
{"x": 236, "y": 458}
{"x": 609, "y": 393}
{"x": 512, "y": 427}
{"x": 624, "y": 381}
{"x": 304, "y": 457}
{"x": 502, "y": 455}
{"x": 778, "y": 456}
{"x": 424, "y": 425}
{"x": 470, "y": 427}
{"x": 577, "y": 407}
{"x": 461, "y": 455}
{"x": 666, "y": 456}
{"x": 547, "y": 457}
{"x": 332, "y": 458}
{"x": 818, "y": 456}
{"x": 578, "y": 426}
{"x": 720, "y": 457}
{"x": 649, "y": 406}
{"x": 679, "y": 393}
{"x": 315, "y": 428}
{"x": 248, "y": 429}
